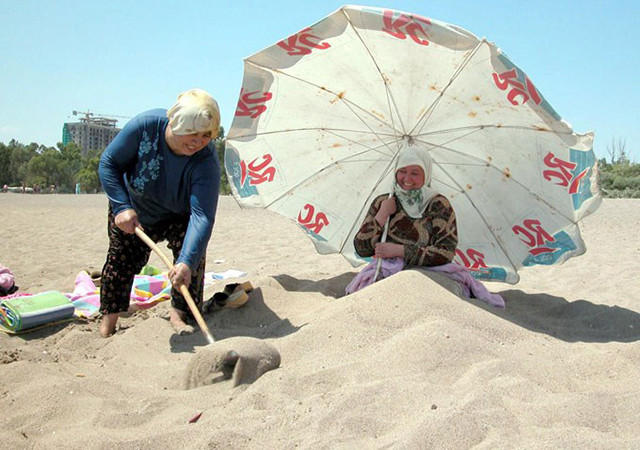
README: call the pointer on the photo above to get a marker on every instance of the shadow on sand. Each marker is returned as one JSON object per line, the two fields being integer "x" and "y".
{"x": 331, "y": 287}
{"x": 255, "y": 319}
{"x": 576, "y": 321}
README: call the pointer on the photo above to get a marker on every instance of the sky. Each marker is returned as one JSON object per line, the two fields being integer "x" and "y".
{"x": 119, "y": 58}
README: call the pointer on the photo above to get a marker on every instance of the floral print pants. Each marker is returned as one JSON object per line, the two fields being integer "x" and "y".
{"x": 128, "y": 254}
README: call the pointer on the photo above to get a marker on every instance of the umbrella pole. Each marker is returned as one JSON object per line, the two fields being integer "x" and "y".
{"x": 383, "y": 239}
{"x": 183, "y": 289}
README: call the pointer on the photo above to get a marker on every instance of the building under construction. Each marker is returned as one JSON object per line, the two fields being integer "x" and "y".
{"x": 91, "y": 132}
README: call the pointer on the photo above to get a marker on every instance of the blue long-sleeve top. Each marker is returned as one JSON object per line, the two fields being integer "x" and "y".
{"x": 139, "y": 171}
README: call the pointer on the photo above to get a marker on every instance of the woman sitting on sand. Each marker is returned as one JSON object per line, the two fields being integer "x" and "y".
{"x": 161, "y": 173}
{"x": 422, "y": 223}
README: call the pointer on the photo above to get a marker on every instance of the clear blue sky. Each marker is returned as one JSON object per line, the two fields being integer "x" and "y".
{"x": 123, "y": 57}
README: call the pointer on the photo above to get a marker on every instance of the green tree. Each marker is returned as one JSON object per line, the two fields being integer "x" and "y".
{"x": 43, "y": 168}
{"x": 71, "y": 159}
{"x": 88, "y": 175}
{"x": 20, "y": 157}
{"x": 54, "y": 166}
{"x": 5, "y": 163}
{"x": 620, "y": 179}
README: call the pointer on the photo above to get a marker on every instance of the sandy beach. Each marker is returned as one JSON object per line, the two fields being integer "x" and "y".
{"x": 401, "y": 364}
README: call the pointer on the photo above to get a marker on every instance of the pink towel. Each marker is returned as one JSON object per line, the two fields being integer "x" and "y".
{"x": 365, "y": 277}
{"x": 84, "y": 286}
{"x": 470, "y": 285}
{"x": 147, "y": 291}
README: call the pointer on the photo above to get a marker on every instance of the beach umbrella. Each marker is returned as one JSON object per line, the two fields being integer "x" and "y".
{"x": 323, "y": 113}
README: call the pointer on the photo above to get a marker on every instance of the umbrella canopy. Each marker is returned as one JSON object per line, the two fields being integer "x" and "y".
{"x": 324, "y": 113}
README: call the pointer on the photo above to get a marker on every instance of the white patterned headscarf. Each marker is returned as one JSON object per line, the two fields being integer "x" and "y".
{"x": 195, "y": 112}
{"x": 415, "y": 201}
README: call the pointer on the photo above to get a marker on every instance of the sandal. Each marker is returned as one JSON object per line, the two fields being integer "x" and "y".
{"x": 231, "y": 288}
{"x": 95, "y": 277}
{"x": 221, "y": 300}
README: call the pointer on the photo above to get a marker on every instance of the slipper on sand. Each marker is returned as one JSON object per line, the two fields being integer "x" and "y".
{"x": 236, "y": 300}
{"x": 231, "y": 288}
{"x": 221, "y": 300}
{"x": 95, "y": 277}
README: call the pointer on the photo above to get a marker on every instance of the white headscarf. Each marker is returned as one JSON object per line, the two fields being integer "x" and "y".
{"x": 195, "y": 112}
{"x": 415, "y": 201}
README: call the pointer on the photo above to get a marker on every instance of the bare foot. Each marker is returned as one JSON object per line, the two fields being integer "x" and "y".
{"x": 178, "y": 322}
{"x": 108, "y": 324}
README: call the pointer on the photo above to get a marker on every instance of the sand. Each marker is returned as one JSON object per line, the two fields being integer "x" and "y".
{"x": 401, "y": 364}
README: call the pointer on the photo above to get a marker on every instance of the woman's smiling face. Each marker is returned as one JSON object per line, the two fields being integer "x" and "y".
{"x": 189, "y": 144}
{"x": 410, "y": 177}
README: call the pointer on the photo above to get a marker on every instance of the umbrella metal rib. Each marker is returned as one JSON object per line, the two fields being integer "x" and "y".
{"x": 390, "y": 98}
{"x": 429, "y": 112}
{"x": 349, "y": 104}
{"x": 293, "y": 187}
{"x": 498, "y": 169}
{"x": 366, "y": 204}
{"x": 297, "y": 130}
{"x": 489, "y": 125}
{"x": 479, "y": 212}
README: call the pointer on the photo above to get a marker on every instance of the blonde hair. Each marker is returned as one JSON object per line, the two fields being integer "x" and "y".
{"x": 195, "y": 111}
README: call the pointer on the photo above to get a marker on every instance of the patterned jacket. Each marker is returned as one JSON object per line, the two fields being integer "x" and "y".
{"x": 428, "y": 241}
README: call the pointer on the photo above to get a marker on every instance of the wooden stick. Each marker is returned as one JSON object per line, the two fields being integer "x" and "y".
{"x": 383, "y": 239}
{"x": 183, "y": 289}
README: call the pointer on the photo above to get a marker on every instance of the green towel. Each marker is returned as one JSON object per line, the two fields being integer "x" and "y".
{"x": 23, "y": 313}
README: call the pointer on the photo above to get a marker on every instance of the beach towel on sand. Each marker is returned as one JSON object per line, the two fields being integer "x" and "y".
{"x": 27, "y": 312}
{"x": 149, "y": 288}
{"x": 22, "y": 311}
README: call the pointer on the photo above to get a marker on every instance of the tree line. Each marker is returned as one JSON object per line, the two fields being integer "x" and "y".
{"x": 39, "y": 168}
{"x": 64, "y": 166}
{"x": 619, "y": 178}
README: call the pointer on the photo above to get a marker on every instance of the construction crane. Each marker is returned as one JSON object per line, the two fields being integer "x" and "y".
{"x": 93, "y": 116}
